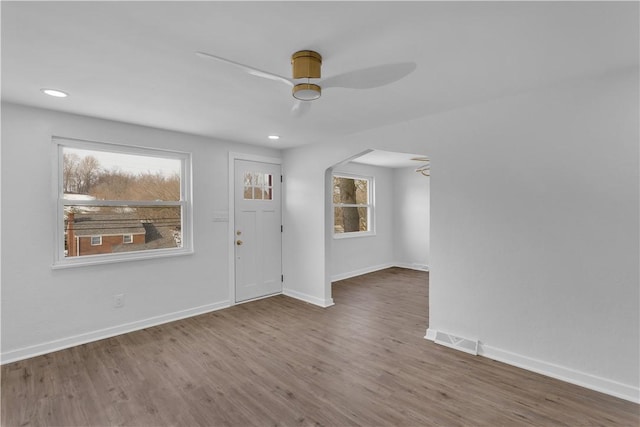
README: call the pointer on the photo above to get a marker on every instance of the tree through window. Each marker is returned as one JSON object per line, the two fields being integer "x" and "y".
{"x": 352, "y": 204}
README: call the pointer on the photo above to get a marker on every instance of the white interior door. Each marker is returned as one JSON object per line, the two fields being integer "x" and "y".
{"x": 258, "y": 233}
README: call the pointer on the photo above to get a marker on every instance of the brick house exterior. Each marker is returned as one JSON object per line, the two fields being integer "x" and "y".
{"x": 95, "y": 234}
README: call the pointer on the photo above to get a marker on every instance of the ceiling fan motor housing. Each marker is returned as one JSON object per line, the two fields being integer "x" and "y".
{"x": 306, "y": 64}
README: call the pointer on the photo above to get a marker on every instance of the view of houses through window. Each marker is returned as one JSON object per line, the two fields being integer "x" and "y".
{"x": 352, "y": 207}
{"x": 119, "y": 202}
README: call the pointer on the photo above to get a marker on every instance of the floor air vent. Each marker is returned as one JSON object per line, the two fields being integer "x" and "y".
{"x": 462, "y": 344}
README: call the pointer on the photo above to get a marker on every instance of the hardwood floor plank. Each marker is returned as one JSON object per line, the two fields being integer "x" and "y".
{"x": 280, "y": 361}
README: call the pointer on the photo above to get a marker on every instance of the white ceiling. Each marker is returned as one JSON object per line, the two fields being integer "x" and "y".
{"x": 135, "y": 61}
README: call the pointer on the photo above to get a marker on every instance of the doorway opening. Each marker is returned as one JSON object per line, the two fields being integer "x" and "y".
{"x": 377, "y": 211}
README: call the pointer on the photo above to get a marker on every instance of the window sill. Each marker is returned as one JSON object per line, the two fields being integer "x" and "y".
{"x": 354, "y": 235}
{"x": 107, "y": 259}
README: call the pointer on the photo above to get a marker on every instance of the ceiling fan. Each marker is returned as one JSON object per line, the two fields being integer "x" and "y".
{"x": 424, "y": 169}
{"x": 307, "y": 64}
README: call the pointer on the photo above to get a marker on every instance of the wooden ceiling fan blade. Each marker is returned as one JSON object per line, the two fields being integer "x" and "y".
{"x": 246, "y": 68}
{"x": 372, "y": 77}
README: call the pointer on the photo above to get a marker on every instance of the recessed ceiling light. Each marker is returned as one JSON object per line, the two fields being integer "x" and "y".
{"x": 273, "y": 137}
{"x": 56, "y": 93}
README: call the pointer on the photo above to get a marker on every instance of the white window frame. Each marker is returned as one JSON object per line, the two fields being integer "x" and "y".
{"x": 124, "y": 240}
{"x": 185, "y": 203}
{"x": 99, "y": 241}
{"x": 370, "y": 207}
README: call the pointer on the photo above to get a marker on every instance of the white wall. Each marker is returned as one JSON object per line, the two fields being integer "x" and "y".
{"x": 534, "y": 225}
{"x": 44, "y": 309}
{"x": 362, "y": 254}
{"x": 411, "y": 218}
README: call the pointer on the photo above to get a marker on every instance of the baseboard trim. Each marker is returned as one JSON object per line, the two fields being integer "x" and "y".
{"x": 61, "y": 344}
{"x": 582, "y": 379}
{"x": 367, "y": 270}
{"x": 361, "y": 271}
{"x": 324, "y": 303}
{"x": 412, "y": 266}
{"x": 431, "y": 334}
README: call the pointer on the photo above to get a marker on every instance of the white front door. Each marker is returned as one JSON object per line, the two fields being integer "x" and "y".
{"x": 258, "y": 233}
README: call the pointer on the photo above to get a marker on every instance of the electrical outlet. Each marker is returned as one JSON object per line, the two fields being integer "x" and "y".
{"x": 118, "y": 301}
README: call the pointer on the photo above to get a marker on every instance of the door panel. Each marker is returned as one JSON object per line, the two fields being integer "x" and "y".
{"x": 258, "y": 238}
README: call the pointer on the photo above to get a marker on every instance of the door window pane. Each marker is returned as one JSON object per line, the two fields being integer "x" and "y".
{"x": 258, "y": 186}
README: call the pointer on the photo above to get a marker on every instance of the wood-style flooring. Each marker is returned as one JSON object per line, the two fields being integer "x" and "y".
{"x": 279, "y": 361}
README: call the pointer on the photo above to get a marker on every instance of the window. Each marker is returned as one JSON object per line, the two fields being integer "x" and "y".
{"x": 258, "y": 186}
{"x": 117, "y": 203}
{"x": 352, "y": 205}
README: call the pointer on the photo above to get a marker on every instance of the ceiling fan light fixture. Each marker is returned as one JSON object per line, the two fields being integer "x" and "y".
{"x": 306, "y": 91}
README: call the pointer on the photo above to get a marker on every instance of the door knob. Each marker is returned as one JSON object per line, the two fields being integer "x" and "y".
{"x": 238, "y": 242}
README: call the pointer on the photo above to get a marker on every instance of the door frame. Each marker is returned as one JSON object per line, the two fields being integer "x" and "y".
{"x": 231, "y": 238}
